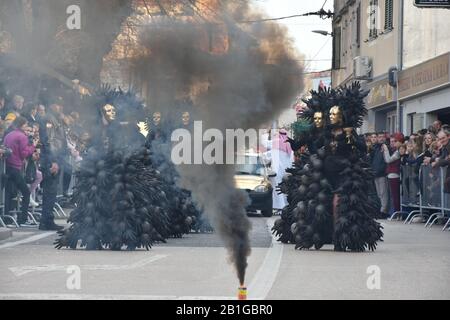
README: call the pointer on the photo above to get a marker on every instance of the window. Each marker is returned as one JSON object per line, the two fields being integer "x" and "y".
{"x": 344, "y": 38}
{"x": 389, "y": 15}
{"x": 410, "y": 123}
{"x": 337, "y": 48}
{"x": 416, "y": 122}
{"x": 391, "y": 122}
{"x": 373, "y": 18}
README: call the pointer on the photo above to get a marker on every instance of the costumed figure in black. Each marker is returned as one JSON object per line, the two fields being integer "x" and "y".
{"x": 305, "y": 220}
{"x": 154, "y": 128}
{"x": 119, "y": 193}
{"x": 334, "y": 206}
{"x": 200, "y": 222}
{"x": 182, "y": 212}
{"x": 354, "y": 211}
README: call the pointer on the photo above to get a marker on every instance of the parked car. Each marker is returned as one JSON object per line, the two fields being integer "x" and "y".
{"x": 253, "y": 177}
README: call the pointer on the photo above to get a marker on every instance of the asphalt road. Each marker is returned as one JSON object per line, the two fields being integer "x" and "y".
{"x": 412, "y": 263}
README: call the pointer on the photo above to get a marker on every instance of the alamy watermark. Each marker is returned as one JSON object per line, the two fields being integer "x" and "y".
{"x": 374, "y": 279}
{"x": 73, "y": 21}
{"x": 73, "y": 282}
{"x": 214, "y": 146}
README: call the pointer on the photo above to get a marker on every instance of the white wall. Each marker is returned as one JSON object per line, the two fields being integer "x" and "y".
{"x": 383, "y": 49}
{"x": 429, "y": 103}
{"x": 426, "y": 33}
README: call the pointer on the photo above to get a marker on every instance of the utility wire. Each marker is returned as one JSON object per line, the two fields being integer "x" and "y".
{"x": 321, "y": 13}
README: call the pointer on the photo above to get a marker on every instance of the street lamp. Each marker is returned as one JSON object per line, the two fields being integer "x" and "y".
{"x": 323, "y": 32}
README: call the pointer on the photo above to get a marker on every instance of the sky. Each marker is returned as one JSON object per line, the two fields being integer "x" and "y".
{"x": 312, "y": 45}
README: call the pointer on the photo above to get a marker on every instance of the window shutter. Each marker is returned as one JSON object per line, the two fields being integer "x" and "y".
{"x": 388, "y": 14}
{"x": 373, "y": 19}
{"x": 358, "y": 25}
{"x": 337, "y": 48}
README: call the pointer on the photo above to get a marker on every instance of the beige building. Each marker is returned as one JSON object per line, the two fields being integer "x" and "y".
{"x": 370, "y": 37}
{"x": 311, "y": 81}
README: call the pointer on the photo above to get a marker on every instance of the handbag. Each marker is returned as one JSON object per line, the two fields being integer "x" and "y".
{"x": 30, "y": 172}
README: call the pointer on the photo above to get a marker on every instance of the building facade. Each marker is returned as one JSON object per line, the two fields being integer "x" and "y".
{"x": 372, "y": 36}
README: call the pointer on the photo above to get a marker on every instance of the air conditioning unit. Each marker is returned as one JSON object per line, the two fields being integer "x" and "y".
{"x": 362, "y": 68}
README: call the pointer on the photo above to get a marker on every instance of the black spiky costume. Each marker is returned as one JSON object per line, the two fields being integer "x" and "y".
{"x": 305, "y": 133}
{"x": 328, "y": 191}
{"x": 305, "y": 180}
{"x": 184, "y": 214}
{"x": 119, "y": 194}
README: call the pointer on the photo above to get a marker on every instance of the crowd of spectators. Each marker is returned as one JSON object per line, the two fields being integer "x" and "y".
{"x": 38, "y": 144}
{"x": 390, "y": 155}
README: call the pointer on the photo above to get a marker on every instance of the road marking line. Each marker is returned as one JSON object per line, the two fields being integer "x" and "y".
{"x": 26, "y": 240}
{"x": 20, "y": 271}
{"x": 265, "y": 276}
{"x": 259, "y": 288}
{"x": 64, "y": 296}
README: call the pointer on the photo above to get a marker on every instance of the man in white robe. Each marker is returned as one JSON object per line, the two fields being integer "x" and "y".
{"x": 282, "y": 158}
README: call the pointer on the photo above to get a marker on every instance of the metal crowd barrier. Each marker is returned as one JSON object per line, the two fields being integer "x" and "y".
{"x": 4, "y": 218}
{"x": 58, "y": 210}
{"x": 423, "y": 191}
{"x": 35, "y": 213}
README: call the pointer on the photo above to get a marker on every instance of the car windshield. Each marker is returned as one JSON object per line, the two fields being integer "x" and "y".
{"x": 253, "y": 166}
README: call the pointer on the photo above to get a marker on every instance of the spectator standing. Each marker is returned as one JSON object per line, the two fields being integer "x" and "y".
{"x": 382, "y": 137}
{"x": 444, "y": 152}
{"x": 427, "y": 151}
{"x": 443, "y": 159}
{"x": 54, "y": 149}
{"x": 17, "y": 105}
{"x": 33, "y": 176}
{"x": 428, "y": 139}
{"x": 369, "y": 143}
{"x": 437, "y": 126}
{"x": 30, "y": 112}
{"x": 411, "y": 161}
{"x": 9, "y": 127}
{"x": 392, "y": 158}
{"x": 22, "y": 147}
{"x": 378, "y": 165}
{"x": 9, "y": 118}
{"x": 41, "y": 111}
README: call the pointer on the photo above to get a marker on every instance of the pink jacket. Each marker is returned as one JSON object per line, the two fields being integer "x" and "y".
{"x": 17, "y": 141}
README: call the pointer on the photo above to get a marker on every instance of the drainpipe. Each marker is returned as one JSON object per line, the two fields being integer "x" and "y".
{"x": 399, "y": 61}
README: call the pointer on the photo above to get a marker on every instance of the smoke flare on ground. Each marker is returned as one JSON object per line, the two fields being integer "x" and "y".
{"x": 246, "y": 85}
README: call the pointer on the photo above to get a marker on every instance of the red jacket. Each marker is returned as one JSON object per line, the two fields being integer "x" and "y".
{"x": 393, "y": 167}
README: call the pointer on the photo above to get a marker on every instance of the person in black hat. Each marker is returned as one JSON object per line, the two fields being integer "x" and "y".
{"x": 53, "y": 152}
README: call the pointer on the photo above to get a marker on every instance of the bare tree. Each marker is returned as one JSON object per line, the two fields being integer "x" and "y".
{"x": 40, "y": 33}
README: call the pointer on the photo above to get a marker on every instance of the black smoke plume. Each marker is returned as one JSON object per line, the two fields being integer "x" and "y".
{"x": 246, "y": 84}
